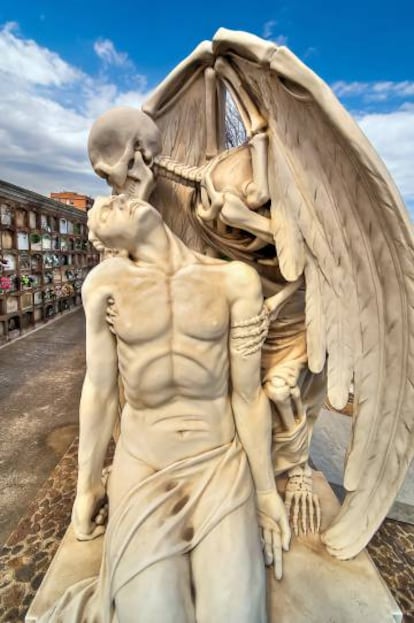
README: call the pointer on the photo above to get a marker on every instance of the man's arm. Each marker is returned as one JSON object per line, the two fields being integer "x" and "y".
{"x": 98, "y": 409}
{"x": 251, "y": 408}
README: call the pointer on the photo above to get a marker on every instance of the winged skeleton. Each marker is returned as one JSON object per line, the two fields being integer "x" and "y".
{"x": 306, "y": 201}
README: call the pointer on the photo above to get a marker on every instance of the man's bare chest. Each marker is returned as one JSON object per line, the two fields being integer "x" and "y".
{"x": 148, "y": 307}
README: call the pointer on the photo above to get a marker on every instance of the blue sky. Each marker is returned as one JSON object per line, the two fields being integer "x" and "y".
{"x": 62, "y": 64}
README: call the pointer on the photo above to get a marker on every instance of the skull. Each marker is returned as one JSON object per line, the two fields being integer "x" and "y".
{"x": 122, "y": 145}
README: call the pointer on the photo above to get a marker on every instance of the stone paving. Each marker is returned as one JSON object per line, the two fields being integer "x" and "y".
{"x": 392, "y": 550}
{"x": 40, "y": 382}
{"x": 30, "y": 548}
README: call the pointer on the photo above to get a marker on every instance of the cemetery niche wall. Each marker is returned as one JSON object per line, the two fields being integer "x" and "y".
{"x": 243, "y": 285}
{"x": 44, "y": 258}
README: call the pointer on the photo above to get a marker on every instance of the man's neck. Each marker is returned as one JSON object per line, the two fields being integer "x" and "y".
{"x": 164, "y": 250}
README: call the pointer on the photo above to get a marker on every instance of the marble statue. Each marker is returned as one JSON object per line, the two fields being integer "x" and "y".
{"x": 195, "y": 430}
{"x": 241, "y": 286}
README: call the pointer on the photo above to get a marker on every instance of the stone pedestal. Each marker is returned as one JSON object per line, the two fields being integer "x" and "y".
{"x": 315, "y": 588}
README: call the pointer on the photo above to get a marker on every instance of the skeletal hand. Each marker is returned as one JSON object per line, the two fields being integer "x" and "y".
{"x": 282, "y": 388}
{"x": 274, "y": 527}
{"x": 300, "y": 501}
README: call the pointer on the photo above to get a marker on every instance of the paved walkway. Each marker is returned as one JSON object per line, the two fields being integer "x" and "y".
{"x": 40, "y": 382}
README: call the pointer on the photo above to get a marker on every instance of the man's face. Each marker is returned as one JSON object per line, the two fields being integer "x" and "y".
{"x": 119, "y": 223}
{"x": 110, "y": 222}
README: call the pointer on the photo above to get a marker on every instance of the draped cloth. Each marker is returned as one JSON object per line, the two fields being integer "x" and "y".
{"x": 166, "y": 514}
{"x": 284, "y": 351}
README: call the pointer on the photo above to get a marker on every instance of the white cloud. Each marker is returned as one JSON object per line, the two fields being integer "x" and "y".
{"x": 374, "y": 91}
{"x": 46, "y": 109}
{"x": 106, "y": 51}
{"x": 11, "y": 27}
{"x": 267, "y": 33}
{"x": 310, "y": 51}
{"x": 280, "y": 40}
{"x": 392, "y": 134}
{"x": 268, "y": 28}
{"x": 386, "y": 115}
{"x": 29, "y": 62}
{"x": 98, "y": 97}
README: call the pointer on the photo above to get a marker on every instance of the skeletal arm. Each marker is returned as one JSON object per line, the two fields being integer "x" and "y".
{"x": 177, "y": 80}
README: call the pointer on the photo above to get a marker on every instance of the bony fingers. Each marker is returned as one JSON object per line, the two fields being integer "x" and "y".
{"x": 295, "y": 520}
{"x": 311, "y": 512}
{"x": 317, "y": 512}
{"x": 304, "y": 513}
{"x": 288, "y": 501}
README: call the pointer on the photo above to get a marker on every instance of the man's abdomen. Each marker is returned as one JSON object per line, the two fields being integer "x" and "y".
{"x": 180, "y": 428}
{"x": 154, "y": 375}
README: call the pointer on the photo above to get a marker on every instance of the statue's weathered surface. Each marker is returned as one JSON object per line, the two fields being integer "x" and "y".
{"x": 195, "y": 428}
{"x": 310, "y": 215}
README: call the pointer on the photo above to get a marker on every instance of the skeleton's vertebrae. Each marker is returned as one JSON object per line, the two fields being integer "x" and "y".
{"x": 164, "y": 166}
{"x": 188, "y": 175}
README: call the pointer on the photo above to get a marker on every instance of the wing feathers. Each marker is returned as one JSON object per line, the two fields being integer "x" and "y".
{"x": 340, "y": 348}
{"x": 288, "y": 239}
{"x": 337, "y": 217}
{"x": 315, "y": 317}
{"x": 327, "y": 179}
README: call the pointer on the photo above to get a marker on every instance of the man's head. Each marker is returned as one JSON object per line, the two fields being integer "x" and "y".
{"x": 122, "y": 145}
{"x": 121, "y": 223}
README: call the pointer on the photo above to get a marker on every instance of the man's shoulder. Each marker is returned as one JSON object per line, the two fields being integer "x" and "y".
{"x": 237, "y": 269}
{"x": 102, "y": 277}
{"x": 243, "y": 280}
{"x": 238, "y": 279}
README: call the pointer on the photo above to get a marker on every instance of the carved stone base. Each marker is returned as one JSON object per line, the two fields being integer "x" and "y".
{"x": 316, "y": 588}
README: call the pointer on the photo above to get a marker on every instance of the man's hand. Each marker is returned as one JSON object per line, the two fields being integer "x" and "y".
{"x": 274, "y": 526}
{"x": 88, "y": 513}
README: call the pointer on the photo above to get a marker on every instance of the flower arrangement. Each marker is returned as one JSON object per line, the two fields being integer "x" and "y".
{"x": 26, "y": 281}
{"x": 5, "y": 284}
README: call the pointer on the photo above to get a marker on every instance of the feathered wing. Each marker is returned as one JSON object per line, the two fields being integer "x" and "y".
{"x": 337, "y": 216}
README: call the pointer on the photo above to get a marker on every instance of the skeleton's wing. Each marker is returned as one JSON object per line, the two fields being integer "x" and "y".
{"x": 180, "y": 108}
{"x": 337, "y": 217}
{"x": 185, "y": 107}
